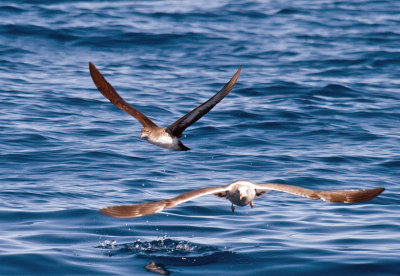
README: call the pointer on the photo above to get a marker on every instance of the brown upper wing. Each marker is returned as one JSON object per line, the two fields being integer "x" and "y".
{"x": 182, "y": 123}
{"x": 148, "y": 208}
{"x": 342, "y": 196}
{"x": 109, "y": 92}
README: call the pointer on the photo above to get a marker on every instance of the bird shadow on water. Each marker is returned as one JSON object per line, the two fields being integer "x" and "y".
{"x": 170, "y": 253}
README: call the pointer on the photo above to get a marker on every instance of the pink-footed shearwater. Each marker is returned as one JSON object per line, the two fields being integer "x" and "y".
{"x": 164, "y": 137}
{"x": 241, "y": 193}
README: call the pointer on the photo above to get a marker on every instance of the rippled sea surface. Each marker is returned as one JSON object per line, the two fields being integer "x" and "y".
{"x": 317, "y": 105}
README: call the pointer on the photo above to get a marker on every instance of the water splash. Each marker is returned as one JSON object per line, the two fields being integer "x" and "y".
{"x": 167, "y": 251}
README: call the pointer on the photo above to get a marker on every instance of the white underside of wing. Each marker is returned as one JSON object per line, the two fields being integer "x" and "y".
{"x": 198, "y": 193}
{"x": 291, "y": 189}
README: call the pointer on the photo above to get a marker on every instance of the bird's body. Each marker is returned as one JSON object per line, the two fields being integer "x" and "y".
{"x": 164, "y": 137}
{"x": 241, "y": 193}
{"x": 160, "y": 137}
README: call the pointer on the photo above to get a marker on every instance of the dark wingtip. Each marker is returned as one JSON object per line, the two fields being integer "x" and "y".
{"x": 93, "y": 70}
{"x": 365, "y": 195}
{"x": 228, "y": 86}
{"x": 105, "y": 211}
{"x": 375, "y": 192}
{"x": 379, "y": 190}
{"x": 236, "y": 75}
{"x": 114, "y": 211}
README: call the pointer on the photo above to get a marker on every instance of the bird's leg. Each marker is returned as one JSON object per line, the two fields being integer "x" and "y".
{"x": 251, "y": 204}
{"x": 233, "y": 208}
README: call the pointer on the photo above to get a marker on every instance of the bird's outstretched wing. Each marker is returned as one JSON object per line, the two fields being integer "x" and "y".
{"x": 177, "y": 128}
{"x": 148, "y": 208}
{"x": 109, "y": 92}
{"x": 342, "y": 196}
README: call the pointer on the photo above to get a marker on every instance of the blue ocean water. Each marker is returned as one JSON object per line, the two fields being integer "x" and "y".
{"x": 317, "y": 105}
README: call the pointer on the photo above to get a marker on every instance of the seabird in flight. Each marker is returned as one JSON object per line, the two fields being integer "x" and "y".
{"x": 241, "y": 193}
{"x": 164, "y": 137}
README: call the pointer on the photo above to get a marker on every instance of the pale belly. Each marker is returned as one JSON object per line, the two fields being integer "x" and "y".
{"x": 248, "y": 195}
{"x": 165, "y": 141}
{"x": 237, "y": 201}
